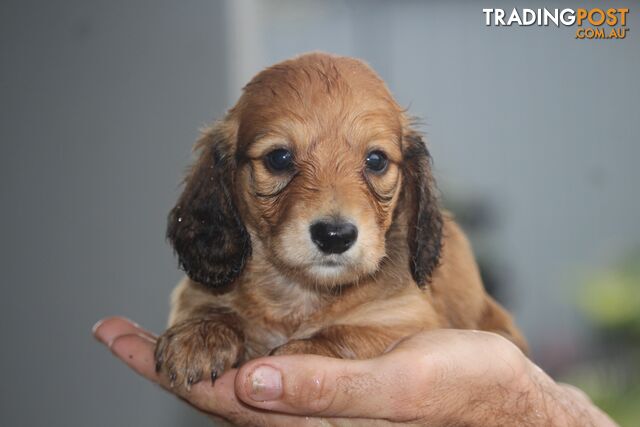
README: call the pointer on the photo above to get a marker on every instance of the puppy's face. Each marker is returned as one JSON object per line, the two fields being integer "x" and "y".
{"x": 310, "y": 166}
{"x": 319, "y": 172}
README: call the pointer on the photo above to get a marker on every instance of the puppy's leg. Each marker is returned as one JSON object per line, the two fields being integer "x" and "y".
{"x": 343, "y": 341}
{"x": 200, "y": 347}
{"x": 204, "y": 337}
{"x": 496, "y": 319}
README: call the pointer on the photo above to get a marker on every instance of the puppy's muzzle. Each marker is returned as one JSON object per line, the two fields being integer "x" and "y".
{"x": 334, "y": 236}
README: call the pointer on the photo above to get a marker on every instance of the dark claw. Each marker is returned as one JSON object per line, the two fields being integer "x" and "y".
{"x": 190, "y": 381}
{"x": 214, "y": 376}
{"x": 172, "y": 378}
{"x": 158, "y": 365}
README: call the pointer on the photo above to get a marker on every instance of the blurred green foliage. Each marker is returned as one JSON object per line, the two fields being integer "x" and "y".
{"x": 611, "y": 301}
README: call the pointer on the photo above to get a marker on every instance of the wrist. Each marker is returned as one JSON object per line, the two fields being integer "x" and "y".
{"x": 559, "y": 404}
{"x": 529, "y": 397}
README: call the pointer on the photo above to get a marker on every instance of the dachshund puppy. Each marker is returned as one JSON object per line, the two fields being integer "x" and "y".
{"x": 310, "y": 223}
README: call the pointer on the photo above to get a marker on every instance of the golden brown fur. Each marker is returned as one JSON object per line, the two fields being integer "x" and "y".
{"x": 258, "y": 285}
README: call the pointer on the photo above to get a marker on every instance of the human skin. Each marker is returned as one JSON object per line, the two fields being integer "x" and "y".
{"x": 435, "y": 378}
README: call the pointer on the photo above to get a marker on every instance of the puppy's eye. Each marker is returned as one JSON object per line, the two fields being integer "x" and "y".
{"x": 376, "y": 161}
{"x": 279, "y": 160}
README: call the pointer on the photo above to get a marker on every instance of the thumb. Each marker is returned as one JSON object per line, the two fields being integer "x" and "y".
{"x": 323, "y": 386}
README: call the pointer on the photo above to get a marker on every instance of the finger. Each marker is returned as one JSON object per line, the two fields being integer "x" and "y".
{"x": 108, "y": 329}
{"x": 315, "y": 385}
{"x": 136, "y": 351}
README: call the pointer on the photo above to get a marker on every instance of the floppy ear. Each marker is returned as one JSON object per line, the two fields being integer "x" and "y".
{"x": 424, "y": 232}
{"x": 204, "y": 227}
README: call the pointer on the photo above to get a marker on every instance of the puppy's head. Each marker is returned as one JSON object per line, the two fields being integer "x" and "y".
{"x": 313, "y": 165}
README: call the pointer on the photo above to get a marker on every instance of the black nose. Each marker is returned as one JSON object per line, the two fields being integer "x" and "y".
{"x": 333, "y": 237}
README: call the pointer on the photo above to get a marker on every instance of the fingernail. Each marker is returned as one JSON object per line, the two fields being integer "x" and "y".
{"x": 265, "y": 384}
{"x": 95, "y": 327}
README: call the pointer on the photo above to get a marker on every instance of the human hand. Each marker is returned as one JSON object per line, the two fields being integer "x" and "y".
{"x": 441, "y": 377}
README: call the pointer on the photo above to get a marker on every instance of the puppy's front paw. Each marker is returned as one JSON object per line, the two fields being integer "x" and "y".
{"x": 196, "y": 349}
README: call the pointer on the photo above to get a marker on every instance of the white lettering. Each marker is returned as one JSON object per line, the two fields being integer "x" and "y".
{"x": 550, "y": 15}
{"x": 540, "y": 17}
{"x": 487, "y": 16}
{"x": 528, "y": 17}
{"x": 571, "y": 19}
{"x": 514, "y": 18}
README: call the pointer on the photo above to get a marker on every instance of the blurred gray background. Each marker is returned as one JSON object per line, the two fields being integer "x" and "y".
{"x": 532, "y": 130}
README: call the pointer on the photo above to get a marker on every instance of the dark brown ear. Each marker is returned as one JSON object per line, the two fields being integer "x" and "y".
{"x": 204, "y": 227}
{"x": 424, "y": 223}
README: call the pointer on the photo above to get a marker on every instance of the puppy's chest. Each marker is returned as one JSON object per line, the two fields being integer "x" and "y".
{"x": 264, "y": 335}
{"x": 277, "y": 313}
{"x": 260, "y": 341}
